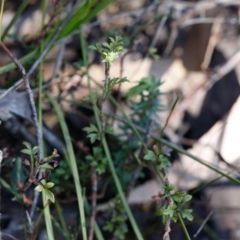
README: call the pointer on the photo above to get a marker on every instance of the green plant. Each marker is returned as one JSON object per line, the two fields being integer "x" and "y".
{"x": 97, "y": 160}
{"x": 109, "y": 53}
{"x": 36, "y": 165}
{"x": 117, "y": 222}
{"x": 175, "y": 207}
{"x": 118, "y": 154}
{"x": 43, "y": 187}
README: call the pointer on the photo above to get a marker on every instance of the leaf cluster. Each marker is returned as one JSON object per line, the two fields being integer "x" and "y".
{"x": 144, "y": 100}
{"x": 97, "y": 160}
{"x": 117, "y": 223}
{"x": 44, "y": 187}
{"x": 35, "y": 165}
{"x": 175, "y": 208}
{"x": 160, "y": 159}
{"x": 94, "y": 134}
{"x": 109, "y": 51}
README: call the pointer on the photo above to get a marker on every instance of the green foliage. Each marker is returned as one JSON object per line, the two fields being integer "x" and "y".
{"x": 109, "y": 51}
{"x": 35, "y": 165}
{"x": 176, "y": 206}
{"x": 17, "y": 175}
{"x": 153, "y": 53}
{"x": 161, "y": 159}
{"x": 150, "y": 156}
{"x": 72, "y": 163}
{"x": 97, "y": 160}
{"x": 115, "y": 81}
{"x": 173, "y": 202}
{"x": 147, "y": 105}
{"x": 62, "y": 178}
{"x": 44, "y": 187}
{"x": 92, "y": 133}
{"x": 117, "y": 223}
{"x": 29, "y": 150}
{"x": 87, "y": 10}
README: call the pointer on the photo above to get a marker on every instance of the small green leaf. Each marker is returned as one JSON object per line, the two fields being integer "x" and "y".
{"x": 177, "y": 198}
{"x": 149, "y": 156}
{"x": 109, "y": 130}
{"x": 35, "y": 150}
{"x": 175, "y": 218}
{"x": 93, "y": 137}
{"x": 90, "y": 129}
{"x": 159, "y": 212}
{"x": 112, "y": 40}
{"x": 186, "y": 198}
{"x": 17, "y": 173}
{"x": 106, "y": 45}
{"x": 99, "y": 47}
{"x": 49, "y": 184}
{"x": 97, "y": 151}
{"x": 164, "y": 161}
{"x": 153, "y": 53}
{"x": 169, "y": 212}
{"x": 92, "y": 47}
{"x": 46, "y": 166}
{"x": 38, "y": 188}
{"x": 108, "y": 227}
{"x": 27, "y": 145}
{"x": 49, "y": 195}
{"x": 89, "y": 158}
{"x": 168, "y": 189}
{"x": 26, "y": 151}
{"x": 179, "y": 194}
{"x": 186, "y": 213}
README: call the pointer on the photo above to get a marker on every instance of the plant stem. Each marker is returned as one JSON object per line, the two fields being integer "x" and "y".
{"x": 183, "y": 226}
{"x": 94, "y": 203}
{"x": 120, "y": 191}
{"x": 46, "y": 210}
{"x": 72, "y": 163}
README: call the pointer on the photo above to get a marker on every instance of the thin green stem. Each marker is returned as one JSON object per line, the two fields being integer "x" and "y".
{"x": 183, "y": 226}
{"x": 47, "y": 213}
{"x": 1, "y": 16}
{"x": 61, "y": 218}
{"x": 169, "y": 115}
{"x": 182, "y": 151}
{"x": 72, "y": 163}
{"x": 29, "y": 57}
{"x": 120, "y": 191}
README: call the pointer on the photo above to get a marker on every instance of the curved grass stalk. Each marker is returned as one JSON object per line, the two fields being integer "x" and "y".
{"x": 46, "y": 210}
{"x": 183, "y": 227}
{"x": 72, "y": 163}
